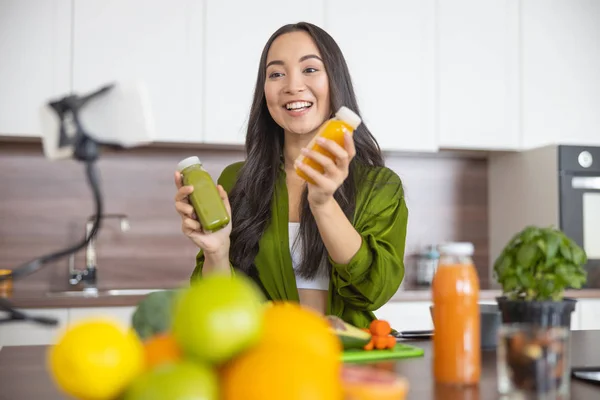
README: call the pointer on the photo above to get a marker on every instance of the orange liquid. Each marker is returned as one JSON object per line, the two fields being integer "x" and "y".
{"x": 332, "y": 130}
{"x": 456, "y": 320}
{"x": 6, "y": 285}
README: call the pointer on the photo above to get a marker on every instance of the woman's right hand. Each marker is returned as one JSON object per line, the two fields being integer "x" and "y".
{"x": 213, "y": 244}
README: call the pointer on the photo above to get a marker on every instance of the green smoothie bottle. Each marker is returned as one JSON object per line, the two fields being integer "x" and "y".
{"x": 205, "y": 198}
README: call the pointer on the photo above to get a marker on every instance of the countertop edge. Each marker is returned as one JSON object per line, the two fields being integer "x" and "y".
{"x": 43, "y": 302}
{"x": 485, "y": 294}
{"x": 37, "y": 300}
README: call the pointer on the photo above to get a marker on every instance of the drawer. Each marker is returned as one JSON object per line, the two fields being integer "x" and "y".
{"x": 120, "y": 314}
{"x": 25, "y": 333}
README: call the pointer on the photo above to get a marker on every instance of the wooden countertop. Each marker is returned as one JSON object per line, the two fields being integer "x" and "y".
{"x": 23, "y": 374}
{"x": 38, "y": 298}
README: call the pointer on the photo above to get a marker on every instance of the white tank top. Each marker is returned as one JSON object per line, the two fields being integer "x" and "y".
{"x": 321, "y": 281}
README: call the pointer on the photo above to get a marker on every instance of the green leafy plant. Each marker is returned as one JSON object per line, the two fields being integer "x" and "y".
{"x": 539, "y": 264}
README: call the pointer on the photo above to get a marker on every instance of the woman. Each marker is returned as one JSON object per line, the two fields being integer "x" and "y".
{"x": 336, "y": 246}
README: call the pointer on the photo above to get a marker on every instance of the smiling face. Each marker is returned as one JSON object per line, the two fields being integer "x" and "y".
{"x": 297, "y": 85}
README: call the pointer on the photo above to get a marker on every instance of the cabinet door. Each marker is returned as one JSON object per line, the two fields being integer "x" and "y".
{"x": 478, "y": 74}
{"x": 236, "y": 33}
{"x": 35, "y": 44}
{"x": 389, "y": 48}
{"x": 120, "y": 314}
{"x": 156, "y": 41}
{"x": 561, "y": 82}
{"x": 589, "y": 313}
{"x": 30, "y": 334}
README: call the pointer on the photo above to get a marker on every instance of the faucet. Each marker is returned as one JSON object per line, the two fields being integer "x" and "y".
{"x": 88, "y": 276}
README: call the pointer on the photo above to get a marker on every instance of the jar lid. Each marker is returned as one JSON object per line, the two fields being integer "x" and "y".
{"x": 430, "y": 252}
{"x": 186, "y": 162}
{"x": 457, "y": 248}
{"x": 350, "y": 117}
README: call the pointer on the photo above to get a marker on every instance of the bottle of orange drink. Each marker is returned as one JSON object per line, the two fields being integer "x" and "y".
{"x": 456, "y": 318}
{"x": 332, "y": 129}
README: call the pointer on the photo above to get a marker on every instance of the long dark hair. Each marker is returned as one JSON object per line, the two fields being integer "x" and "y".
{"x": 252, "y": 196}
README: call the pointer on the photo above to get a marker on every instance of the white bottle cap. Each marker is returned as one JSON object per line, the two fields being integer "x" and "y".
{"x": 350, "y": 117}
{"x": 186, "y": 162}
{"x": 457, "y": 248}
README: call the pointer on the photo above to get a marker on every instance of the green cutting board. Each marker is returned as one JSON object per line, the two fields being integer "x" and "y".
{"x": 398, "y": 352}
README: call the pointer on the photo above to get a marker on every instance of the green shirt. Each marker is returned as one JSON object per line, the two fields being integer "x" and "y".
{"x": 375, "y": 272}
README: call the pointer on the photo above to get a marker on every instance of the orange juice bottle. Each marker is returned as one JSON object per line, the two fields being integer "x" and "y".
{"x": 456, "y": 320}
{"x": 332, "y": 129}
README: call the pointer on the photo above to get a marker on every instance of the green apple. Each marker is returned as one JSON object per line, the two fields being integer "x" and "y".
{"x": 179, "y": 381}
{"x": 218, "y": 317}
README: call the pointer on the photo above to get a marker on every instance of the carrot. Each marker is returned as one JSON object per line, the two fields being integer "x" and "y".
{"x": 380, "y": 327}
{"x": 391, "y": 342}
{"x": 380, "y": 342}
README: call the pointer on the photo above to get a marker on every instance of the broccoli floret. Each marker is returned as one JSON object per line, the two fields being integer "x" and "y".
{"x": 153, "y": 314}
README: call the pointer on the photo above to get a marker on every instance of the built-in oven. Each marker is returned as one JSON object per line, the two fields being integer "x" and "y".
{"x": 579, "y": 170}
{"x": 552, "y": 185}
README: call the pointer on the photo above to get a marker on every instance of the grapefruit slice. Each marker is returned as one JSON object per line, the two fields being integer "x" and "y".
{"x": 368, "y": 383}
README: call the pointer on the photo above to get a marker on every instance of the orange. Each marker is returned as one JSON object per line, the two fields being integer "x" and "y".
{"x": 298, "y": 358}
{"x": 161, "y": 349}
{"x": 279, "y": 372}
{"x": 293, "y": 326}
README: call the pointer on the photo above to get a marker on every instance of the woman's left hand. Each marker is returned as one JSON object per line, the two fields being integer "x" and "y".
{"x": 335, "y": 171}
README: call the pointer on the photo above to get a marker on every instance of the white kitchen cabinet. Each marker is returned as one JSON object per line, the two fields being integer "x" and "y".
{"x": 390, "y": 50}
{"x": 478, "y": 74}
{"x": 236, "y": 32}
{"x": 35, "y": 45}
{"x": 561, "y": 82}
{"x": 28, "y": 334}
{"x": 121, "y": 315}
{"x": 589, "y": 313}
{"x": 156, "y": 41}
{"x": 576, "y": 318}
{"x": 406, "y": 315}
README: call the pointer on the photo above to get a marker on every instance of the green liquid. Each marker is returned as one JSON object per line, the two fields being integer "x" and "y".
{"x": 205, "y": 198}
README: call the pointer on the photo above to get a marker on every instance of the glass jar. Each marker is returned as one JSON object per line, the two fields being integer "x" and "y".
{"x": 456, "y": 317}
{"x": 427, "y": 263}
{"x": 533, "y": 361}
{"x": 205, "y": 198}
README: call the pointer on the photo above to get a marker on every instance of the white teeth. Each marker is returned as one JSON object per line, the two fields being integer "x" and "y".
{"x": 298, "y": 105}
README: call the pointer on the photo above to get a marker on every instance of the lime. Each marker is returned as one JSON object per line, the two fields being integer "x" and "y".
{"x": 218, "y": 317}
{"x": 177, "y": 381}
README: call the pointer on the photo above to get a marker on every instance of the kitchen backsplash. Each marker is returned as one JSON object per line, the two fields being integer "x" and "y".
{"x": 44, "y": 206}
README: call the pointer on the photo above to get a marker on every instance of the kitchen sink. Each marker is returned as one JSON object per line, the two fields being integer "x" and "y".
{"x": 89, "y": 292}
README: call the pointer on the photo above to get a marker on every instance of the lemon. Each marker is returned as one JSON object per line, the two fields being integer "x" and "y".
{"x": 95, "y": 359}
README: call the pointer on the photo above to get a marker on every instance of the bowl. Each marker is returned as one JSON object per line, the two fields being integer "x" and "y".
{"x": 490, "y": 322}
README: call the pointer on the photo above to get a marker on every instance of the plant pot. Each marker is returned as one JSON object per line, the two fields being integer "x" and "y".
{"x": 540, "y": 313}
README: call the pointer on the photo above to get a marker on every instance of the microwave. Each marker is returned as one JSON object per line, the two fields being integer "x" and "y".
{"x": 556, "y": 185}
